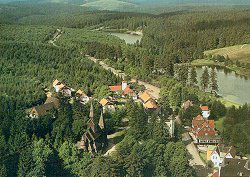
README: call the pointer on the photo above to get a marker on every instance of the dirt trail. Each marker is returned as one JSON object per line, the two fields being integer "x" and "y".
{"x": 56, "y": 36}
{"x": 151, "y": 89}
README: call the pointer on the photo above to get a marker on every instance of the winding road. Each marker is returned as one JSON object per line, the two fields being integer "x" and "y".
{"x": 195, "y": 158}
{"x": 151, "y": 89}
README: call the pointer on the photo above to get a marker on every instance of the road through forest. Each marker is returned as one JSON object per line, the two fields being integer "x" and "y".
{"x": 151, "y": 89}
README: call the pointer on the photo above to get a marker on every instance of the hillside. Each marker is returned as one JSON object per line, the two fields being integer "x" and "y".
{"x": 237, "y": 52}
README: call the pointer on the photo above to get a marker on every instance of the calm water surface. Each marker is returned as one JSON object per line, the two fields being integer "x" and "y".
{"x": 232, "y": 87}
{"x": 129, "y": 38}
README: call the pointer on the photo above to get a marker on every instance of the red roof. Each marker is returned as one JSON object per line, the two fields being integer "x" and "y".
{"x": 116, "y": 88}
{"x": 211, "y": 123}
{"x": 199, "y": 122}
{"x": 204, "y": 108}
{"x": 216, "y": 174}
{"x": 127, "y": 91}
{"x": 206, "y": 131}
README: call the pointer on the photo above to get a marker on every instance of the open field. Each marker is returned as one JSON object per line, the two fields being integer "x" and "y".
{"x": 228, "y": 103}
{"x": 208, "y": 62}
{"x": 109, "y": 5}
{"x": 237, "y": 52}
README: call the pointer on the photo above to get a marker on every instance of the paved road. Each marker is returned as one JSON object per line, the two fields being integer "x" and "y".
{"x": 155, "y": 92}
{"x": 151, "y": 89}
{"x": 195, "y": 158}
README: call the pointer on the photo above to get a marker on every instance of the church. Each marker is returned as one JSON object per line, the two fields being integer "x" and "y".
{"x": 95, "y": 138}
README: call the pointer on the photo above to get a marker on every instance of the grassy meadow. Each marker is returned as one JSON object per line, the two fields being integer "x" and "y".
{"x": 237, "y": 52}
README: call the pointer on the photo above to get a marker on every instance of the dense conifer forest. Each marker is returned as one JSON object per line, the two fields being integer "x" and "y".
{"x": 29, "y": 63}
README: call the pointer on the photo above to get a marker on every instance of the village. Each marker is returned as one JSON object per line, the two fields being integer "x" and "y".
{"x": 204, "y": 137}
{"x": 221, "y": 158}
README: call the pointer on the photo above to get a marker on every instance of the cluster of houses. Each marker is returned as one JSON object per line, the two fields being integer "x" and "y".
{"x": 124, "y": 90}
{"x": 70, "y": 92}
{"x": 53, "y": 102}
{"x": 224, "y": 158}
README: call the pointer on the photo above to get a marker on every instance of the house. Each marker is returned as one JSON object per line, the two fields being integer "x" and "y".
{"x": 42, "y": 110}
{"x": 58, "y": 86}
{"x": 148, "y": 101}
{"x": 231, "y": 167}
{"x": 220, "y": 153}
{"x": 82, "y": 97}
{"x": 210, "y": 150}
{"x": 53, "y": 100}
{"x": 204, "y": 131}
{"x": 187, "y": 104}
{"x": 205, "y": 111}
{"x": 171, "y": 126}
{"x": 128, "y": 91}
{"x": 124, "y": 90}
{"x": 66, "y": 91}
{"x": 107, "y": 105}
{"x": 169, "y": 122}
{"x": 116, "y": 89}
{"x": 95, "y": 138}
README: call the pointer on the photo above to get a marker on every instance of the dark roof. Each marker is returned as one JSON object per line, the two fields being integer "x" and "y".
{"x": 43, "y": 110}
{"x": 234, "y": 168}
{"x": 53, "y": 100}
{"x": 226, "y": 149}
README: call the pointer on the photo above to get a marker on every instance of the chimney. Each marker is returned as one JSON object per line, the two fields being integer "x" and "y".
{"x": 124, "y": 85}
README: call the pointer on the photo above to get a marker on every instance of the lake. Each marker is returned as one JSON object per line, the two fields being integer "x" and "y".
{"x": 129, "y": 38}
{"x": 232, "y": 87}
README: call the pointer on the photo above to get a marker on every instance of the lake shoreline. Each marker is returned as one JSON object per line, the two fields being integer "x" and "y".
{"x": 238, "y": 70}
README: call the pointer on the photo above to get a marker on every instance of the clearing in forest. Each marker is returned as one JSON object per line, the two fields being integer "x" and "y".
{"x": 237, "y": 52}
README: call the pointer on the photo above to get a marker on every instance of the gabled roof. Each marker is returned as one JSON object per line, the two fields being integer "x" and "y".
{"x": 198, "y": 121}
{"x": 55, "y": 82}
{"x": 204, "y": 108}
{"x": 61, "y": 86}
{"x": 145, "y": 97}
{"x": 104, "y": 102}
{"x": 116, "y": 88}
{"x": 216, "y": 174}
{"x": 223, "y": 150}
{"x": 52, "y": 100}
{"x": 101, "y": 122}
{"x": 150, "y": 104}
{"x": 234, "y": 167}
{"x": 80, "y": 93}
{"x": 187, "y": 104}
{"x": 128, "y": 91}
{"x": 42, "y": 110}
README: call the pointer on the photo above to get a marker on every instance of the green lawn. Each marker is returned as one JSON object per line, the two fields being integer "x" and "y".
{"x": 219, "y": 124}
{"x": 229, "y": 103}
{"x": 203, "y": 156}
{"x": 237, "y": 52}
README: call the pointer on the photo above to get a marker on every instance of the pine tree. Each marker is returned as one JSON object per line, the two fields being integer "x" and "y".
{"x": 205, "y": 79}
{"x": 213, "y": 84}
{"x": 193, "y": 76}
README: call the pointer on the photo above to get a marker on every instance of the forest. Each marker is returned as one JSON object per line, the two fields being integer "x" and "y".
{"x": 28, "y": 65}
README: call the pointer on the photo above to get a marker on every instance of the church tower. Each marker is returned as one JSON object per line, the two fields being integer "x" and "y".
{"x": 101, "y": 122}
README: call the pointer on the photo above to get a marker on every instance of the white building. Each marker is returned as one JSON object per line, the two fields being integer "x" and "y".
{"x": 220, "y": 153}
{"x": 171, "y": 126}
{"x": 205, "y": 111}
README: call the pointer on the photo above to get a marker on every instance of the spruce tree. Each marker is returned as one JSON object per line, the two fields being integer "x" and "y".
{"x": 205, "y": 79}
{"x": 193, "y": 76}
{"x": 213, "y": 84}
